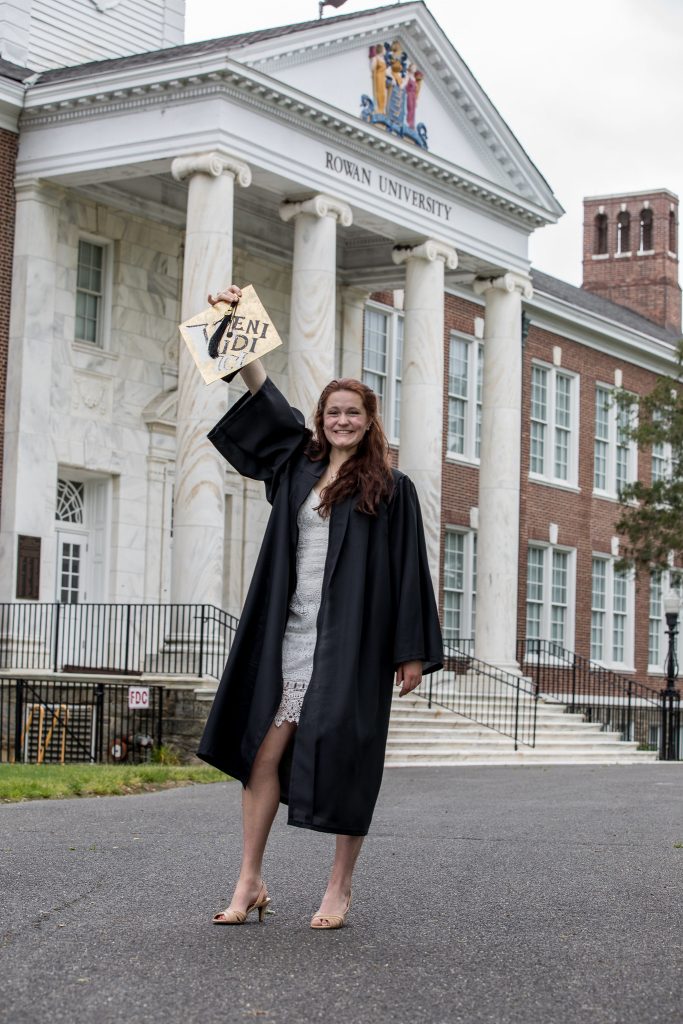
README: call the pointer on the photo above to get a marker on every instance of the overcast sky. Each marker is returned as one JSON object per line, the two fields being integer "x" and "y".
{"x": 592, "y": 90}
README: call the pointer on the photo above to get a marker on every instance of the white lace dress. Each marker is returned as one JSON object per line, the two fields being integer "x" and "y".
{"x": 298, "y": 644}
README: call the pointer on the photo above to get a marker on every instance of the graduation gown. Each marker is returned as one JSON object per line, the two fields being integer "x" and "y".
{"x": 377, "y": 610}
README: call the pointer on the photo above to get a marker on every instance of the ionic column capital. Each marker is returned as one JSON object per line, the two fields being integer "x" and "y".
{"x": 212, "y": 164}
{"x": 510, "y": 282}
{"x": 353, "y": 295}
{"x": 430, "y": 250}
{"x": 319, "y": 206}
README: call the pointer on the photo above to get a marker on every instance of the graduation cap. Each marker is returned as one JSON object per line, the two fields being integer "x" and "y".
{"x": 228, "y": 336}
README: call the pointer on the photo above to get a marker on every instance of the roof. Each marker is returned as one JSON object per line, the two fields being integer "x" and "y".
{"x": 15, "y": 72}
{"x": 169, "y": 53}
{"x": 592, "y": 303}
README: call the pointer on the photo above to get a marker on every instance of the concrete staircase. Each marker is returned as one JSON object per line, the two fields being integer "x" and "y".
{"x": 421, "y": 736}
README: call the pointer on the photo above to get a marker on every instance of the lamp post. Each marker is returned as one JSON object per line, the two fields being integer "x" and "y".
{"x": 671, "y": 698}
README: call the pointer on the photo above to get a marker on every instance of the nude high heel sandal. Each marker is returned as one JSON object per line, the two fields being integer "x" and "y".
{"x": 328, "y": 921}
{"x": 239, "y": 916}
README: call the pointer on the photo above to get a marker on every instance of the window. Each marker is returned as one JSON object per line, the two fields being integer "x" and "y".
{"x": 661, "y": 461}
{"x": 70, "y": 501}
{"x": 657, "y": 640}
{"x": 600, "y": 235}
{"x": 554, "y": 415}
{"x": 465, "y": 374}
{"x": 623, "y": 233}
{"x": 645, "y": 241}
{"x": 382, "y": 361}
{"x": 90, "y": 283}
{"x": 459, "y": 584}
{"x": 549, "y": 596}
{"x": 614, "y": 453}
{"x": 673, "y": 241}
{"x": 611, "y": 614}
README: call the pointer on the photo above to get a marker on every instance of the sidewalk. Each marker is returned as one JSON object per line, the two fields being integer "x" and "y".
{"x": 483, "y": 896}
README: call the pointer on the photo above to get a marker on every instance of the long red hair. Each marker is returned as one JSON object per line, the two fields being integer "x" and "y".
{"x": 367, "y": 472}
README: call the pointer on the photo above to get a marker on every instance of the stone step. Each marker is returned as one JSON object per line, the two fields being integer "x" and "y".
{"x": 515, "y": 758}
{"x": 572, "y": 743}
{"x": 589, "y": 735}
{"x": 434, "y": 715}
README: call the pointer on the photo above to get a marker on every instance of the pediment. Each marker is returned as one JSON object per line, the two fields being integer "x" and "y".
{"x": 394, "y": 68}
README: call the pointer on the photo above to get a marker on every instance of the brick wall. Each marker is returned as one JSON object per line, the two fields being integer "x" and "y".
{"x": 646, "y": 282}
{"x": 584, "y": 522}
{"x": 8, "y": 156}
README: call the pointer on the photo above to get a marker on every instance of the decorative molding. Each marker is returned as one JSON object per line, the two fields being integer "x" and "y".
{"x": 319, "y": 206}
{"x": 510, "y": 282}
{"x": 91, "y": 396}
{"x": 212, "y": 164}
{"x": 296, "y": 109}
{"x": 105, "y": 5}
{"x": 429, "y": 250}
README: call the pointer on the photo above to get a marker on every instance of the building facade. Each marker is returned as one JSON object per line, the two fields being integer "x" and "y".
{"x": 354, "y": 171}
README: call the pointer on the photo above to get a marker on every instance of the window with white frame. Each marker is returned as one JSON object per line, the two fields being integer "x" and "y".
{"x": 660, "y": 584}
{"x": 661, "y": 456}
{"x": 554, "y": 425}
{"x": 91, "y": 283}
{"x": 550, "y": 595}
{"x": 382, "y": 361}
{"x": 459, "y": 584}
{"x": 612, "y": 605}
{"x": 614, "y": 452}
{"x": 465, "y": 375}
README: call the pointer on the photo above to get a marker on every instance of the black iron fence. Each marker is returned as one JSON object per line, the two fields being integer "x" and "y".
{"x": 61, "y": 721}
{"x": 116, "y": 639}
{"x": 490, "y": 696}
{"x": 619, "y": 703}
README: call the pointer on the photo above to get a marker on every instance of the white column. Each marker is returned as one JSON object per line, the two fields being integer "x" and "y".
{"x": 310, "y": 354}
{"x": 29, "y": 484}
{"x": 421, "y": 441}
{"x": 198, "y": 522}
{"x": 353, "y": 311}
{"x": 499, "y": 470}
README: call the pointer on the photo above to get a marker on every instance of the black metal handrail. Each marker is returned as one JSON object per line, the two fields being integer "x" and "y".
{"x": 485, "y": 694}
{"x": 116, "y": 639}
{"x": 617, "y": 702}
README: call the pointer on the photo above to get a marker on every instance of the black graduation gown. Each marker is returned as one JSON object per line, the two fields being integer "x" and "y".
{"x": 377, "y": 610}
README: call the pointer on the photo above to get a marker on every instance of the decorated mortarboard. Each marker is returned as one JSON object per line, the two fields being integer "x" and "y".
{"x": 228, "y": 336}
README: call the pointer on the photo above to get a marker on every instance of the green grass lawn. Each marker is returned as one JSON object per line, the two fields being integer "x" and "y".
{"x": 55, "y": 781}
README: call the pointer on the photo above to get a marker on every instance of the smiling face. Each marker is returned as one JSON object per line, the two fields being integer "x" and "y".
{"x": 345, "y": 421}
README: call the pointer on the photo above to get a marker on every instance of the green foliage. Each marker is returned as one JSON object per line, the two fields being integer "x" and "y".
{"x": 163, "y": 754}
{"x": 651, "y": 519}
{"x": 55, "y": 781}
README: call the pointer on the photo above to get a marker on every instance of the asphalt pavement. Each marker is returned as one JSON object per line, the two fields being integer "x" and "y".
{"x": 511, "y": 895}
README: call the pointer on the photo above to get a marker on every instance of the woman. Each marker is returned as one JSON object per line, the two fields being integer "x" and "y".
{"x": 341, "y": 599}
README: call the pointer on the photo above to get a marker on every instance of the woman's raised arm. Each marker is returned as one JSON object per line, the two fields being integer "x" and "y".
{"x": 253, "y": 373}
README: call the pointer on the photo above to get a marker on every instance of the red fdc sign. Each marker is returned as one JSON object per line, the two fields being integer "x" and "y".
{"x": 138, "y": 697}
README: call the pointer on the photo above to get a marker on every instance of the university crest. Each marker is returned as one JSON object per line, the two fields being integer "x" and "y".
{"x": 396, "y": 84}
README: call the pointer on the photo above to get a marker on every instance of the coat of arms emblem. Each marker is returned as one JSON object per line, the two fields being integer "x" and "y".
{"x": 396, "y": 84}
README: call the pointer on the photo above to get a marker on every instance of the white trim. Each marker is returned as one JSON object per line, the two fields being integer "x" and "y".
{"x": 547, "y": 604}
{"x": 477, "y": 351}
{"x": 628, "y": 665}
{"x": 104, "y": 335}
{"x": 610, "y": 491}
{"x": 467, "y": 617}
{"x": 572, "y": 481}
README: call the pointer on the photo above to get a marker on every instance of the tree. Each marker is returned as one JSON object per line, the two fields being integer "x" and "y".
{"x": 651, "y": 519}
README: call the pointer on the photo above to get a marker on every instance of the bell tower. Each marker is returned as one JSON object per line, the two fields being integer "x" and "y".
{"x": 630, "y": 253}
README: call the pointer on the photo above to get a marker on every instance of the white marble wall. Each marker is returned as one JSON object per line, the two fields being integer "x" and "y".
{"x": 99, "y": 395}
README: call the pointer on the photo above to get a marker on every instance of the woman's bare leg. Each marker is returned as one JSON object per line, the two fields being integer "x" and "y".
{"x": 338, "y": 889}
{"x": 260, "y": 799}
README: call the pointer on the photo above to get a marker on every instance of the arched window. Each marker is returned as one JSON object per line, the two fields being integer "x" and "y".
{"x": 672, "y": 232}
{"x": 645, "y": 230}
{"x": 624, "y": 232}
{"x": 69, "y": 502}
{"x": 600, "y": 241}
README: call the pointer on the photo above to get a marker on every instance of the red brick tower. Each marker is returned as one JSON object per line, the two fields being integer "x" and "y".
{"x": 630, "y": 253}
